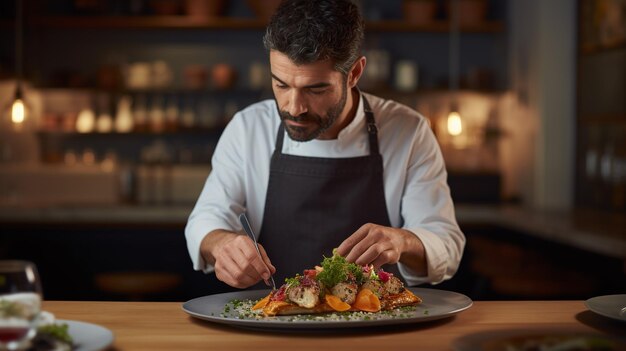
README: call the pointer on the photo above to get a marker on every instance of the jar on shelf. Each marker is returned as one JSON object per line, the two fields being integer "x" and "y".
{"x": 203, "y": 9}
{"x": 471, "y": 12}
{"x": 165, "y": 7}
{"x": 223, "y": 76}
{"x": 263, "y": 9}
{"x": 419, "y": 12}
{"x": 195, "y": 76}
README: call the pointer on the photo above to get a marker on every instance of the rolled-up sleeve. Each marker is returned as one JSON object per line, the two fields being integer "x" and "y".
{"x": 222, "y": 196}
{"x": 428, "y": 210}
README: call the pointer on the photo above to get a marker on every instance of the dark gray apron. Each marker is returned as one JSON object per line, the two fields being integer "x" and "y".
{"x": 314, "y": 203}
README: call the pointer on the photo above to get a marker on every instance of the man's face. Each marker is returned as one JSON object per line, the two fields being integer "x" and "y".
{"x": 310, "y": 97}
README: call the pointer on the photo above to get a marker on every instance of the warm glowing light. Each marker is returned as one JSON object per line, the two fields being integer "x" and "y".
{"x": 18, "y": 112}
{"x": 86, "y": 121}
{"x": 455, "y": 125}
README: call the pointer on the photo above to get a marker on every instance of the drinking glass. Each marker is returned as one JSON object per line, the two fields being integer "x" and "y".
{"x": 20, "y": 303}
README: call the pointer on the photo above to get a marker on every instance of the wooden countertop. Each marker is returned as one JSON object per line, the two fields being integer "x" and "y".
{"x": 164, "y": 326}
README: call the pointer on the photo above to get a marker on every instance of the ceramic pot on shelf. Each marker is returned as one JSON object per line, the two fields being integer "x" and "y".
{"x": 419, "y": 12}
{"x": 165, "y": 7}
{"x": 195, "y": 76}
{"x": 263, "y": 9}
{"x": 471, "y": 12}
{"x": 223, "y": 76}
{"x": 203, "y": 9}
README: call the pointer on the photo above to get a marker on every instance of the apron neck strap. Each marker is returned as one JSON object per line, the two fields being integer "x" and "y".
{"x": 372, "y": 130}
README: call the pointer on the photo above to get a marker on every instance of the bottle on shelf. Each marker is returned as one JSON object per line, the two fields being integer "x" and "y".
{"x": 157, "y": 115}
{"x": 188, "y": 117}
{"x": 104, "y": 121}
{"x": 124, "y": 116}
{"x": 208, "y": 114}
{"x": 230, "y": 108}
{"x": 140, "y": 114}
{"x": 172, "y": 114}
{"x": 86, "y": 121}
{"x": 406, "y": 77}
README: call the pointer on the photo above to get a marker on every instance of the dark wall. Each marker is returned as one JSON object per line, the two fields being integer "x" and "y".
{"x": 504, "y": 264}
{"x": 69, "y": 257}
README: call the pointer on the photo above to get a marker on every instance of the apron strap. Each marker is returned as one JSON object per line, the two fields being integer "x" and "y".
{"x": 372, "y": 130}
{"x": 279, "y": 139}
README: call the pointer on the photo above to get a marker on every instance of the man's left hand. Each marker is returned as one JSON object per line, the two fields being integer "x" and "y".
{"x": 377, "y": 245}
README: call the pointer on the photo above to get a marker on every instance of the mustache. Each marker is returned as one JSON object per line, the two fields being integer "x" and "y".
{"x": 305, "y": 117}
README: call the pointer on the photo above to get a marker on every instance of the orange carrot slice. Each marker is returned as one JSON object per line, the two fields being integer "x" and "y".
{"x": 262, "y": 302}
{"x": 336, "y": 304}
{"x": 367, "y": 301}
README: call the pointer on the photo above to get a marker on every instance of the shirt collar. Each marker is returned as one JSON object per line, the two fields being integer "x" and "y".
{"x": 355, "y": 126}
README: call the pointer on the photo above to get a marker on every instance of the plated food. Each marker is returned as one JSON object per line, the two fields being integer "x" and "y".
{"x": 19, "y": 313}
{"x": 337, "y": 286}
{"x": 51, "y": 335}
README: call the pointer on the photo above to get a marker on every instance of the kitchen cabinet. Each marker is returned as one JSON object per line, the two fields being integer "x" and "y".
{"x": 601, "y": 110}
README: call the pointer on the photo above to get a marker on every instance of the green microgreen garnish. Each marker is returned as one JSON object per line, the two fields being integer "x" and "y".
{"x": 336, "y": 270}
{"x": 291, "y": 282}
{"x": 58, "y": 332}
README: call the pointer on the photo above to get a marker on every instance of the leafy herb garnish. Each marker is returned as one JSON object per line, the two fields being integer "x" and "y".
{"x": 57, "y": 331}
{"x": 336, "y": 270}
{"x": 291, "y": 282}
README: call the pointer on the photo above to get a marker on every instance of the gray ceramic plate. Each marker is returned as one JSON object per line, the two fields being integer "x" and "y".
{"x": 436, "y": 304}
{"x": 88, "y": 336}
{"x": 612, "y": 306}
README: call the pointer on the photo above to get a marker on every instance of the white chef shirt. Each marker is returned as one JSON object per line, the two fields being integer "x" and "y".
{"x": 416, "y": 192}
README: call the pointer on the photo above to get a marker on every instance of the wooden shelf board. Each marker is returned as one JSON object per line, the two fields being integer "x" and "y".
{"x": 596, "y": 49}
{"x": 186, "y": 131}
{"x": 149, "y": 22}
{"x": 183, "y": 91}
{"x": 153, "y": 91}
{"x": 603, "y": 119}
{"x": 435, "y": 27}
{"x": 186, "y": 22}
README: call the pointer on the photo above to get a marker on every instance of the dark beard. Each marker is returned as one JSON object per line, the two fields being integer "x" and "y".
{"x": 323, "y": 123}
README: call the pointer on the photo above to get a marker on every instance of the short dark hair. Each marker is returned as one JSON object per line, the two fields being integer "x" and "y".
{"x": 312, "y": 30}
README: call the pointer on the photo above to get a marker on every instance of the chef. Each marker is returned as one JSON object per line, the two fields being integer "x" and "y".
{"x": 324, "y": 165}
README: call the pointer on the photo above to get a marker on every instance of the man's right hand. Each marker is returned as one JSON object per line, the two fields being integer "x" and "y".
{"x": 235, "y": 259}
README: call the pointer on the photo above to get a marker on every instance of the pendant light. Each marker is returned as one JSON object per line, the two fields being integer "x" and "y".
{"x": 454, "y": 122}
{"x": 17, "y": 114}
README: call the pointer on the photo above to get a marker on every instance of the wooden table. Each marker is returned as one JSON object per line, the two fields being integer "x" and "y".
{"x": 164, "y": 326}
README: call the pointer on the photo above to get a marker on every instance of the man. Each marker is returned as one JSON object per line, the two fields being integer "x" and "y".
{"x": 324, "y": 166}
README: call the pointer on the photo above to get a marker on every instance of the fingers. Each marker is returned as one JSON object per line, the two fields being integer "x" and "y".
{"x": 346, "y": 247}
{"x": 228, "y": 271}
{"x": 266, "y": 259}
{"x": 388, "y": 256}
{"x": 361, "y": 241}
{"x": 252, "y": 263}
{"x": 372, "y": 244}
{"x": 239, "y": 265}
{"x": 376, "y": 253}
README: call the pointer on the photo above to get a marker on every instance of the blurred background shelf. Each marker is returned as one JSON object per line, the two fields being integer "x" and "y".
{"x": 148, "y": 22}
{"x": 217, "y": 23}
{"x": 603, "y": 118}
